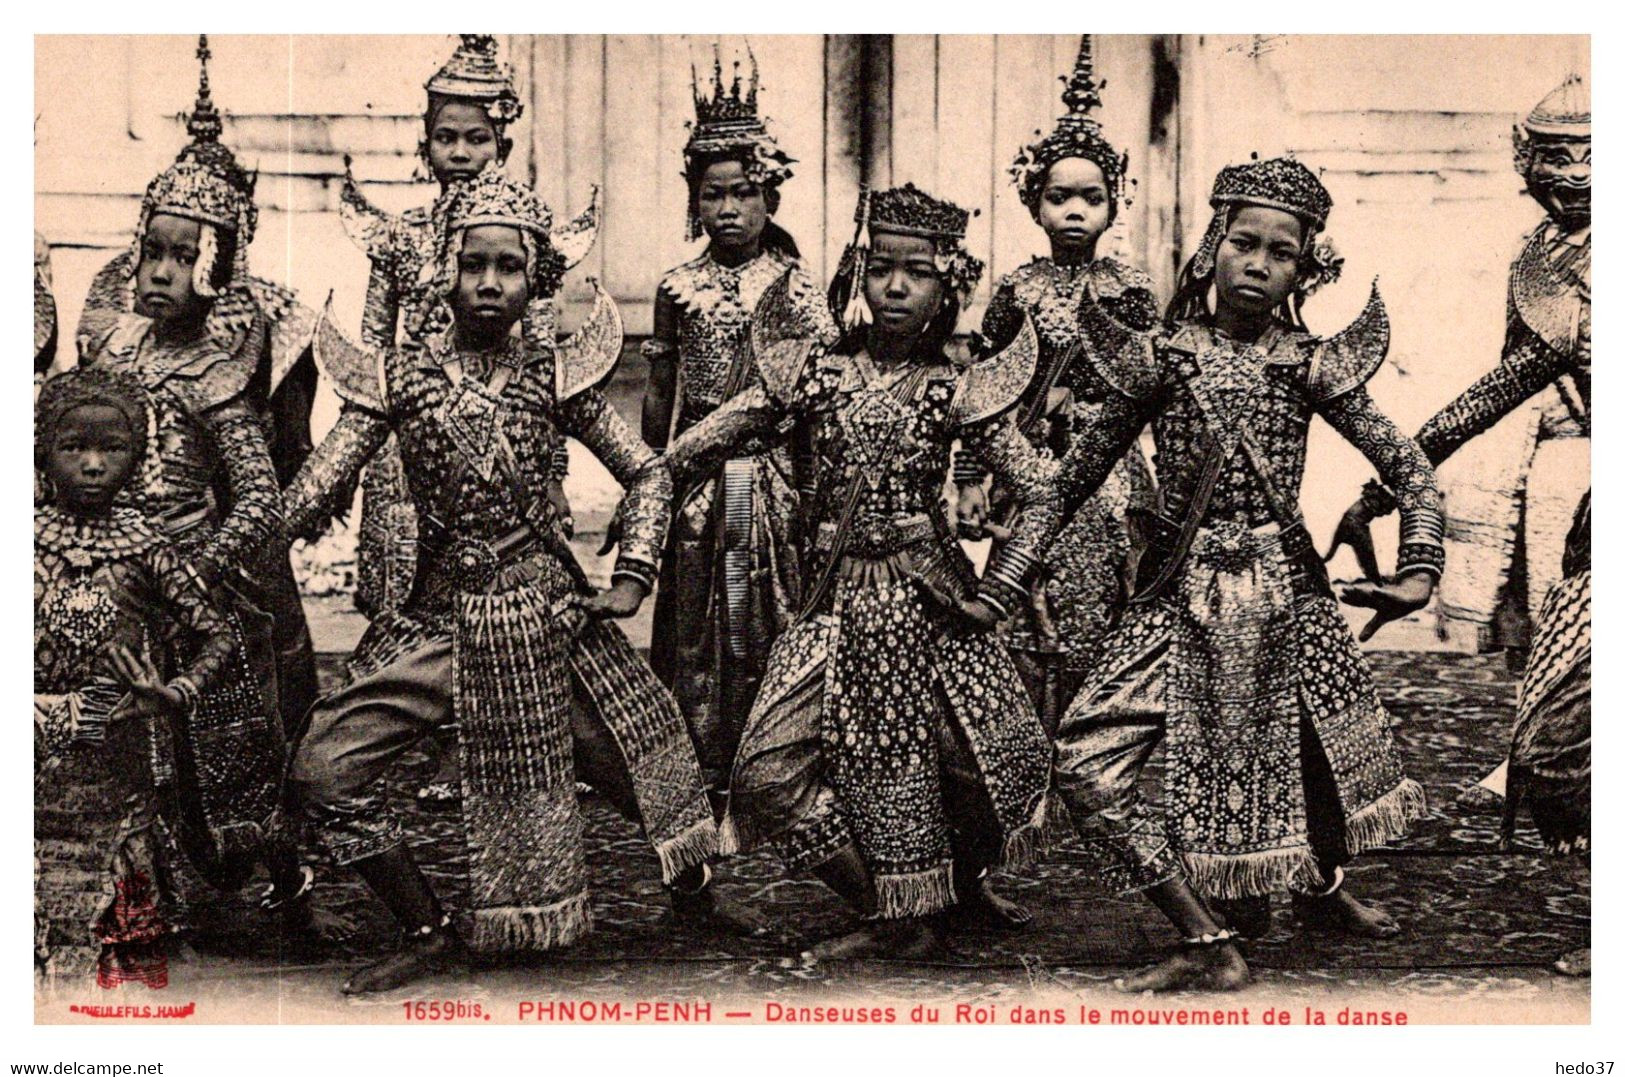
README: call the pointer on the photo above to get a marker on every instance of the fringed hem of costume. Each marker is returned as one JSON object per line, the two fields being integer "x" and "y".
{"x": 806, "y": 845}
{"x": 696, "y": 845}
{"x": 511, "y": 694}
{"x": 1386, "y": 818}
{"x": 532, "y": 927}
{"x": 132, "y": 962}
{"x": 1024, "y": 844}
{"x": 1223, "y": 875}
{"x": 916, "y": 893}
{"x": 1173, "y": 871}
{"x": 728, "y": 840}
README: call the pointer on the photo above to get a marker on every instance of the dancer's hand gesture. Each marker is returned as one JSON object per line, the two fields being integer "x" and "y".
{"x": 1391, "y": 601}
{"x": 622, "y": 599}
{"x": 971, "y": 511}
{"x": 973, "y": 613}
{"x": 148, "y": 696}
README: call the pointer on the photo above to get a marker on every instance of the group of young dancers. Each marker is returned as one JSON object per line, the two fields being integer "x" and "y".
{"x": 830, "y": 676}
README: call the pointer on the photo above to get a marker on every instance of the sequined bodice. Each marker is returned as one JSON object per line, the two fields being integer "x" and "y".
{"x": 896, "y": 449}
{"x": 1051, "y": 293}
{"x": 187, "y": 473}
{"x": 1212, "y": 393}
{"x": 88, "y": 581}
{"x": 508, "y": 439}
{"x": 413, "y": 248}
{"x": 715, "y": 303}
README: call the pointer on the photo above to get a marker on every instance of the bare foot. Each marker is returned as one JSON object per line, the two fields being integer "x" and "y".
{"x": 419, "y": 957}
{"x": 1340, "y": 911}
{"x": 324, "y": 927}
{"x": 981, "y": 908}
{"x": 1214, "y": 967}
{"x": 1477, "y": 800}
{"x": 710, "y": 909}
{"x": 909, "y": 940}
{"x": 1575, "y": 962}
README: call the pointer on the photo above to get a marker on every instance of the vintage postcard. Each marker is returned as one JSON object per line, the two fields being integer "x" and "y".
{"x": 819, "y": 530}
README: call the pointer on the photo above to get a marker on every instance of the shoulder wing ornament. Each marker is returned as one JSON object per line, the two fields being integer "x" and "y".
{"x": 780, "y": 338}
{"x": 575, "y": 239}
{"x": 996, "y": 383}
{"x": 1113, "y": 277}
{"x": 1347, "y": 361}
{"x": 588, "y": 357}
{"x": 368, "y": 227}
{"x": 1547, "y": 303}
{"x": 113, "y": 287}
{"x": 354, "y": 370}
{"x": 810, "y": 304}
{"x": 105, "y": 332}
{"x": 1124, "y": 358}
{"x": 292, "y": 326}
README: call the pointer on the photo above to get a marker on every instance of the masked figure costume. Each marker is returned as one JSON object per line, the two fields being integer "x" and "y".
{"x": 879, "y": 723}
{"x": 1510, "y": 507}
{"x": 1547, "y": 360}
{"x": 1233, "y": 651}
{"x": 732, "y": 577}
{"x": 485, "y": 639}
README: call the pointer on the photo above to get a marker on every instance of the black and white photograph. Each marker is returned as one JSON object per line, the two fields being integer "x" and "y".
{"x": 901, "y": 529}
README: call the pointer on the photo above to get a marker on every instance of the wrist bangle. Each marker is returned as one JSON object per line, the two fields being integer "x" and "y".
{"x": 187, "y": 689}
{"x": 636, "y": 571}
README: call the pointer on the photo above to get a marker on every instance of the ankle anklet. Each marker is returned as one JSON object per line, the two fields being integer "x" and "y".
{"x": 271, "y": 901}
{"x": 1206, "y": 938}
{"x": 1337, "y": 884}
{"x": 705, "y": 881}
{"x": 426, "y": 930}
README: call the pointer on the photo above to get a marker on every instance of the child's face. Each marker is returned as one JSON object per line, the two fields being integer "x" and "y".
{"x": 901, "y": 284}
{"x": 461, "y": 142}
{"x": 163, "y": 278}
{"x": 91, "y": 458}
{"x": 1259, "y": 260}
{"x": 491, "y": 286}
{"x": 1560, "y": 179}
{"x": 1074, "y": 206}
{"x": 733, "y": 210}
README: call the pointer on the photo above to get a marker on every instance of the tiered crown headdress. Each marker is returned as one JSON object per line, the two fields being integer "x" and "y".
{"x": 727, "y": 125}
{"x": 205, "y": 184}
{"x": 492, "y": 198}
{"x": 474, "y": 74}
{"x": 909, "y": 211}
{"x": 1562, "y": 115}
{"x": 1076, "y": 134}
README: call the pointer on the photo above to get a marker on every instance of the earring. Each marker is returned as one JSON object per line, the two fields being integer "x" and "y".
{"x": 421, "y": 173}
